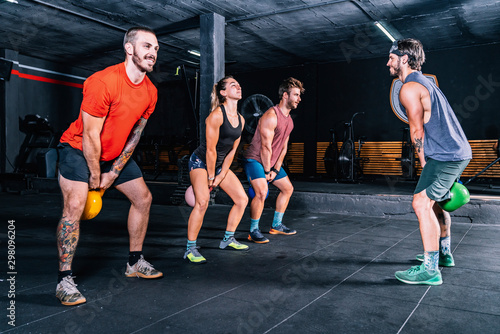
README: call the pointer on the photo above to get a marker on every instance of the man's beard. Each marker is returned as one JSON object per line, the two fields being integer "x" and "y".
{"x": 292, "y": 105}
{"x": 396, "y": 71}
{"x": 137, "y": 61}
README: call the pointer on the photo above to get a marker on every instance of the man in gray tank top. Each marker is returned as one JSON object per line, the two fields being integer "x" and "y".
{"x": 443, "y": 151}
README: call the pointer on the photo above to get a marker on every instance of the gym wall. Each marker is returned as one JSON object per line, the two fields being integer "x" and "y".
{"x": 468, "y": 77}
{"x": 36, "y": 87}
{"x": 335, "y": 91}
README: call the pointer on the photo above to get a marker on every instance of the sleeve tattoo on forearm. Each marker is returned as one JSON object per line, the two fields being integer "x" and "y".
{"x": 132, "y": 142}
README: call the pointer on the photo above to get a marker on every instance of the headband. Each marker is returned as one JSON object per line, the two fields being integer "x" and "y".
{"x": 394, "y": 49}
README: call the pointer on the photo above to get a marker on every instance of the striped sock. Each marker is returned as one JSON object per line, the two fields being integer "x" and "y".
{"x": 254, "y": 224}
{"x": 190, "y": 244}
{"x": 431, "y": 261}
{"x": 228, "y": 235}
{"x": 278, "y": 217}
{"x": 445, "y": 245}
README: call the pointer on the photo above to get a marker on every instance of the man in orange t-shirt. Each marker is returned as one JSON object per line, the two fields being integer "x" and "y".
{"x": 95, "y": 153}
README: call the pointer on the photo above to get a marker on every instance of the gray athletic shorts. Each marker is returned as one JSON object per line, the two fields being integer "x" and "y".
{"x": 438, "y": 176}
{"x": 73, "y": 166}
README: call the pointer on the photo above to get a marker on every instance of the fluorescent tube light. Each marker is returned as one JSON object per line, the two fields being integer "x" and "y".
{"x": 381, "y": 27}
{"x": 194, "y": 53}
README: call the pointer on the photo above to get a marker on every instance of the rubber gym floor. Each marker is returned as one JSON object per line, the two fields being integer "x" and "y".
{"x": 336, "y": 275}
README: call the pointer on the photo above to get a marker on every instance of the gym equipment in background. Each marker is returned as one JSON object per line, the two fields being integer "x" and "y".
{"x": 331, "y": 156}
{"x": 407, "y": 156}
{"x": 349, "y": 164}
{"x": 253, "y": 108}
{"x": 40, "y": 140}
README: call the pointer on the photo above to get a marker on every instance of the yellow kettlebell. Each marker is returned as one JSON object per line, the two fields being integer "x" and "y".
{"x": 93, "y": 205}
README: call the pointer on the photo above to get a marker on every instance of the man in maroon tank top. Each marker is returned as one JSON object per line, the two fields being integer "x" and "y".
{"x": 264, "y": 159}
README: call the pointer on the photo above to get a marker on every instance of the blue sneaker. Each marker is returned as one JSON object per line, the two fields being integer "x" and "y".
{"x": 281, "y": 229}
{"x": 257, "y": 237}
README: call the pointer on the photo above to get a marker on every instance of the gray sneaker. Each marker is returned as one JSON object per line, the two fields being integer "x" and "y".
{"x": 193, "y": 255}
{"x": 67, "y": 292}
{"x": 142, "y": 269}
{"x": 231, "y": 242}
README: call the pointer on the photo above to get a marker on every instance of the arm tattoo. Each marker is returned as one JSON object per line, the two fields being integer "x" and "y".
{"x": 130, "y": 145}
{"x": 418, "y": 144}
{"x": 68, "y": 233}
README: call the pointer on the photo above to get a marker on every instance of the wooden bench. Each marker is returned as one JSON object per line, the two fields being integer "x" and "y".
{"x": 482, "y": 155}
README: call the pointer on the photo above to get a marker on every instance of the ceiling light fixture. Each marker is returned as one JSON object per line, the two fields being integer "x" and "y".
{"x": 190, "y": 62}
{"x": 12, "y": 1}
{"x": 194, "y": 53}
{"x": 381, "y": 27}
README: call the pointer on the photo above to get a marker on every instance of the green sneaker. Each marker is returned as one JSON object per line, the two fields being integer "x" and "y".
{"x": 194, "y": 256}
{"x": 231, "y": 242}
{"x": 444, "y": 260}
{"x": 418, "y": 275}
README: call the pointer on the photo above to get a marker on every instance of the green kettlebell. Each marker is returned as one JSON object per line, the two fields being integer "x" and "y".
{"x": 459, "y": 196}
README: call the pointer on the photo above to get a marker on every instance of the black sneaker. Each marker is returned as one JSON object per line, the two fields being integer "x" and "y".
{"x": 256, "y": 236}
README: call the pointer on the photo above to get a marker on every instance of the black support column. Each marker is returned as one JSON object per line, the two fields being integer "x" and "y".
{"x": 212, "y": 36}
{"x": 11, "y": 137}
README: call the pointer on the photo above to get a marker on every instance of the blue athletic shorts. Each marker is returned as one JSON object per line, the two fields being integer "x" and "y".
{"x": 437, "y": 177}
{"x": 195, "y": 162}
{"x": 73, "y": 166}
{"x": 255, "y": 170}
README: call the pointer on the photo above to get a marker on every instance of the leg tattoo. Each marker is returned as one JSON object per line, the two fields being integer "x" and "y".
{"x": 68, "y": 233}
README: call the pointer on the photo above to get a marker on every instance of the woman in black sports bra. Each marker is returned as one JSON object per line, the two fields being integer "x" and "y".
{"x": 209, "y": 167}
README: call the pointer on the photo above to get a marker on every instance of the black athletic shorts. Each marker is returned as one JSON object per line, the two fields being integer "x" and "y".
{"x": 73, "y": 166}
